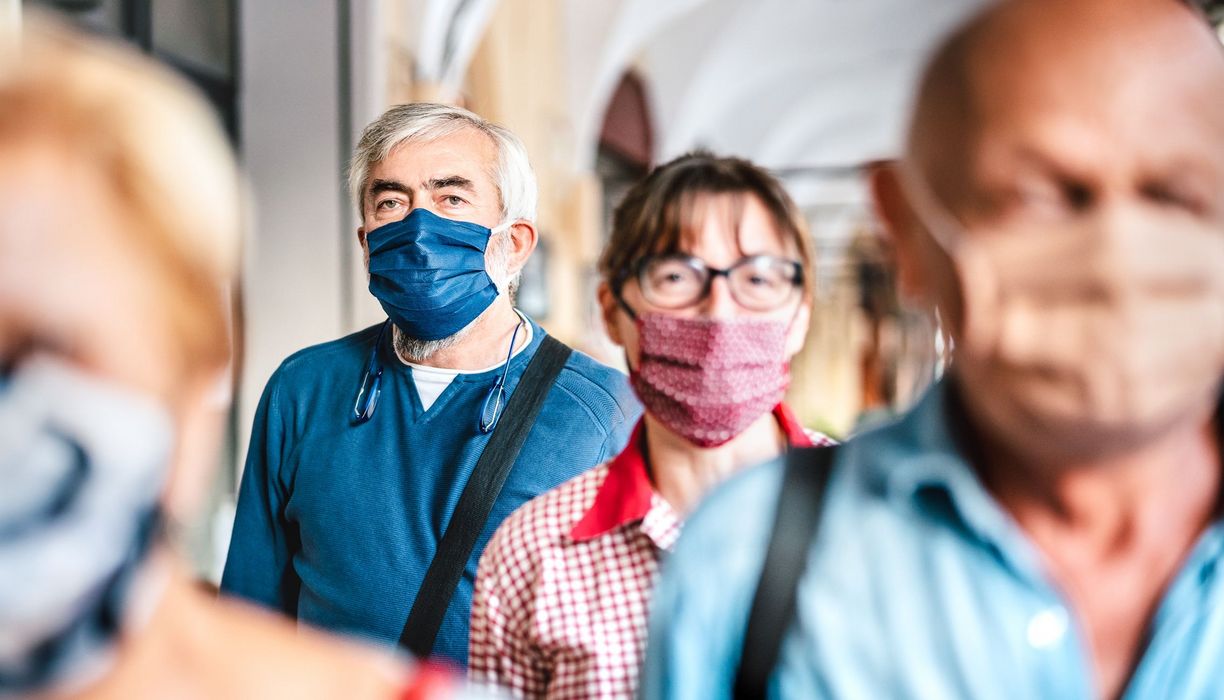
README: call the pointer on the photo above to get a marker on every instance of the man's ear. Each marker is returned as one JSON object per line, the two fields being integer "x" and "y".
{"x": 365, "y": 245}
{"x": 610, "y": 310}
{"x": 522, "y": 238}
{"x": 902, "y": 226}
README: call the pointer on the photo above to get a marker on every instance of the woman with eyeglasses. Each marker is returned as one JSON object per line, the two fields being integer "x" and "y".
{"x": 706, "y": 285}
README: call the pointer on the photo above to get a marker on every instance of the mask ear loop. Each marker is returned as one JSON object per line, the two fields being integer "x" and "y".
{"x": 497, "y": 393}
{"x": 790, "y": 325}
{"x": 979, "y": 294}
{"x": 940, "y": 223}
{"x": 617, "y": 285}
{"x": 371, "y": 383}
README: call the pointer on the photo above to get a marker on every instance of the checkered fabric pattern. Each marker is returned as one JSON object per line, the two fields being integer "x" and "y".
{"x": 563, "y": 589}
{"x": 558, "y": 618}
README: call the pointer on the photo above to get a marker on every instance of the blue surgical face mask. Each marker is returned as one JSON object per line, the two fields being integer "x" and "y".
{"x": 82, "y": 464}
{"x": 429, "y": 273}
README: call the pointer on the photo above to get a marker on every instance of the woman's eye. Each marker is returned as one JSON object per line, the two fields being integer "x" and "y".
{"x": 666, "y": 279}
{"x": 767, "y": 280}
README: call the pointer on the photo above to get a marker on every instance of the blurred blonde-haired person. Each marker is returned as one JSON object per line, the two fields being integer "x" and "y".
{"x": 119, "y": 235}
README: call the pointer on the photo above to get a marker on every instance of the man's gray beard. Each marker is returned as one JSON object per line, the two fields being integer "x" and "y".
{"x": 414, "y": 350}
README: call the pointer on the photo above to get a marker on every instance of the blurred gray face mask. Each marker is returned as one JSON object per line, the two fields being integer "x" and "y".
{"x": 82, "y": 465}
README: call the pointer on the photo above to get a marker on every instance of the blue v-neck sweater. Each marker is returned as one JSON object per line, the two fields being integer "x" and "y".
{"x": 337, "y": 522}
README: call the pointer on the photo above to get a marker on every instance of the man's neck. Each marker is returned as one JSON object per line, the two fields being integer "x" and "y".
{"x": 484, "y": 344}
{"x": 1112, "y": 499}
{"x": 1114, "y": 532}
{"x": 683, "y": 474}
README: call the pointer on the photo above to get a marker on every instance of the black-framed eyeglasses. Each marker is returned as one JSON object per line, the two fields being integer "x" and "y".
{"x": 757, "y": 282}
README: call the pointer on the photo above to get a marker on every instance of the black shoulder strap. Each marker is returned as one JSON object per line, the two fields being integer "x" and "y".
{"x": 773, "y": 607}
{"x": 479, "y": 494}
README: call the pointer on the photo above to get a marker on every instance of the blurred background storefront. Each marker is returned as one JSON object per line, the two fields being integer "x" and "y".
{"x": 816, "y": 90}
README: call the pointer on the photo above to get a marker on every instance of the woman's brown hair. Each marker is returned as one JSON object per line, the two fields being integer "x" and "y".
{"x": 658, "y": 214}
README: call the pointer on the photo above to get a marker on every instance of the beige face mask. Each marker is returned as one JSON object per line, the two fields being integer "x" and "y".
{"x": 1110, "y": 328}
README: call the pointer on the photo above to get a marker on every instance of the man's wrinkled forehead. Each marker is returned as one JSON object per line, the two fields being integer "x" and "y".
{"x": 1149, "y": 72}
{"x": 432, "y": 161}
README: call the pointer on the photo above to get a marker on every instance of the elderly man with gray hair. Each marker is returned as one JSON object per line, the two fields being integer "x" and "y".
{"x": 380, "y": 463}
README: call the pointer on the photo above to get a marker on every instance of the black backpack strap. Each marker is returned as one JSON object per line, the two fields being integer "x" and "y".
{"x": 481, "y": 491}
{"x": 800, "y": 503}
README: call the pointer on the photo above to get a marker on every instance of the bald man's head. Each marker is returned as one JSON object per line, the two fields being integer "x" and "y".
{"x": 1072, "y": 77}
{"x": 1063, "y": 155}
{"x": 1040, "y": 109}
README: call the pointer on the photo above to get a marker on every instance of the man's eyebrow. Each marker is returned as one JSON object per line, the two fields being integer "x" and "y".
{"x": 380, "y": 186}
{"x": 456, "y": 181}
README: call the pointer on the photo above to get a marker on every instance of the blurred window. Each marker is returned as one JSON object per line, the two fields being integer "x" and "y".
{"x": 198, "y": 38}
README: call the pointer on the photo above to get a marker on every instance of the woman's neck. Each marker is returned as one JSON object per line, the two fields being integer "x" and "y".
{"x": 683, "y": 473}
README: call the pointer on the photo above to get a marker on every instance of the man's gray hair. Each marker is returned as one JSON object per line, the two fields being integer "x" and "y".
{"x": 427, "y": 121}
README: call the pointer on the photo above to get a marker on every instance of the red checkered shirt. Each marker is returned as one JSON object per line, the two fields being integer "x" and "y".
{"x": 563, "y": 588}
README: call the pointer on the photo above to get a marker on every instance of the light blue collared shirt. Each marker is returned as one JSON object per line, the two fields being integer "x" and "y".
{"x": 919, "y": 585}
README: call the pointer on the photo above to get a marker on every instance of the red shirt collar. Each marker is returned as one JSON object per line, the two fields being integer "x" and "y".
{"x": 626, "y": 492}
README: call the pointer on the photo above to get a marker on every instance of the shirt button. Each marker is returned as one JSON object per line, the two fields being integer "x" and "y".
{"x": 1047, "y": 628}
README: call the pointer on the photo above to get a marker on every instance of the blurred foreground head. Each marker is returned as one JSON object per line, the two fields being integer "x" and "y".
{"x": 119, "y": 216}
{"x": 119, "y": 233}
{"x": 1061, "y": 200}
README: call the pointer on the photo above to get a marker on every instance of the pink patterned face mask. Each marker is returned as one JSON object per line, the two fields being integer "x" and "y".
{"x": 708, "y": 379}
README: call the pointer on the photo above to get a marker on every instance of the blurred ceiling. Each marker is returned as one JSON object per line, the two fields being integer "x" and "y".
{"x": 792, "y": 85}
{"x": 809, "y": 88}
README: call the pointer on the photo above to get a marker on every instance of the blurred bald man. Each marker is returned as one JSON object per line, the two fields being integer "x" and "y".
{"x": 1046, "y": 522}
